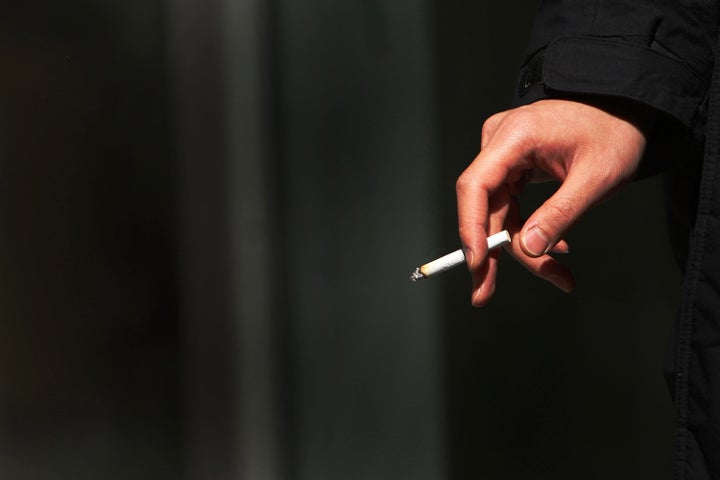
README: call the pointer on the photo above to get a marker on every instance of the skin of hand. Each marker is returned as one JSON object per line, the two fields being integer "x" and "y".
{"x": 590, "y": 150}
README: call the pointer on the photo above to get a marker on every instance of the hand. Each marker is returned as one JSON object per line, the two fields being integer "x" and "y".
{"x": 590, "y": 151}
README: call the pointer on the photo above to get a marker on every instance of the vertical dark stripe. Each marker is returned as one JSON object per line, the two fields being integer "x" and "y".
{"x": 200, "y": 143}
{"x": 276, "y": 187}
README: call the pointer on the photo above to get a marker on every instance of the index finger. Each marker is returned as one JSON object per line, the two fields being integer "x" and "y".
{"x": 492, "y": 167}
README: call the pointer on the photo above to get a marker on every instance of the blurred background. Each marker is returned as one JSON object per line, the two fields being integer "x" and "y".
{"x": 209, "y": 211}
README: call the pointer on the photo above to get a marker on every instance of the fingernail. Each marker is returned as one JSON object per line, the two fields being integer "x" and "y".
{"x": 475, "y": 300}
{"x": 535, "y": 241}
{"x": 560, "y": 283}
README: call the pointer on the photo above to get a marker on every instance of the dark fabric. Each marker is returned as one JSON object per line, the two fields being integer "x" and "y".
{"x": 661, "y": 55}
{"x": 617, "y": 67}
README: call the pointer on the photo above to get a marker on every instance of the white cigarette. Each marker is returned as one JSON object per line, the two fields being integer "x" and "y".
{"x": 452, "y": 260}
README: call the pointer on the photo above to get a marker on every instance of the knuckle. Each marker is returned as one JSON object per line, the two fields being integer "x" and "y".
{"x": 521, "y": 129}
{"x": 464, "y": 182}
{"x": 520, "y": 119}
{"x": 488, "y": 128}
{"x": 512, "y": 125}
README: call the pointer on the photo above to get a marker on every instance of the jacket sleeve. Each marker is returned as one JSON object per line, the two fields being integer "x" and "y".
{"x": 658, "y": 53}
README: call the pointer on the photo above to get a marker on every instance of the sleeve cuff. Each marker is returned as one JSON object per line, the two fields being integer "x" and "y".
{"x": 582, "y": 65}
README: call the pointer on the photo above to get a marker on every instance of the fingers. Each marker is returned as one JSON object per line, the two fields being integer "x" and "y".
{"x": 472, "y": 200}
{"x": 483, "y": 195}
{"x": 504, "y": 213}
{"x": 550, "y": 222}
{"x": 484, "y": 190}
{"x": 544, "y": 266}
{"x": 498, "y": 164}
{"x": 484, "y": 276}
{"x": 589, "y": 150}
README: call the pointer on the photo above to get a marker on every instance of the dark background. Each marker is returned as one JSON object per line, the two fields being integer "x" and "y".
{"x": 208, "y": 214}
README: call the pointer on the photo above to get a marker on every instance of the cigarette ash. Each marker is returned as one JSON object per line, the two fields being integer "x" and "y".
{"x": 416, "y": 275}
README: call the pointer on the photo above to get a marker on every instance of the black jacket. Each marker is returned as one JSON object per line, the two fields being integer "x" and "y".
{"x": 658, "y": 55}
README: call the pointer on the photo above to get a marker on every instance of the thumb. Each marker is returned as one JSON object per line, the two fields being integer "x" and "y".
{"x": 551, "y": 221}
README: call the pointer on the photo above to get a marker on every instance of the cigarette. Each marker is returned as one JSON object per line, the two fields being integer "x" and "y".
{"x": 452, "y": 260}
